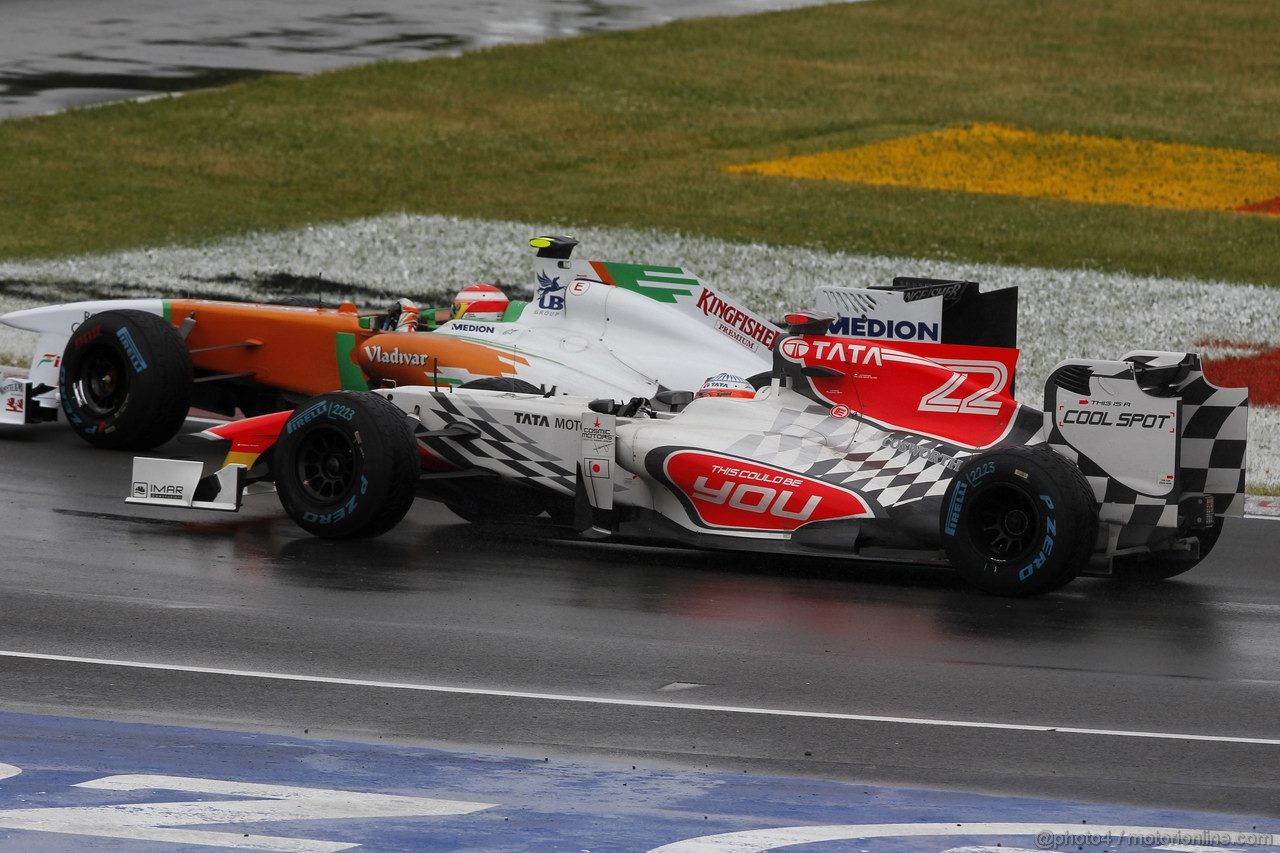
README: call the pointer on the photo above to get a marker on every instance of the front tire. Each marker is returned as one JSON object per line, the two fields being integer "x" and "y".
{"x": 1019, "y": 521}
{"x": 346, "y": 465}
{"x": 125, "y": 380}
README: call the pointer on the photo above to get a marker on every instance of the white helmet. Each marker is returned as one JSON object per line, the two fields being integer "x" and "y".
{"x": 726, "y": 385}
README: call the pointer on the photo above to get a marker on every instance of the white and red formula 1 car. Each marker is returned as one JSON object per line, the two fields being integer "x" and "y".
{"x": 893, "y": 450}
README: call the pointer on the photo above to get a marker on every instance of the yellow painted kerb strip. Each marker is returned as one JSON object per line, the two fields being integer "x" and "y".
{"x": 1001, "y": 160}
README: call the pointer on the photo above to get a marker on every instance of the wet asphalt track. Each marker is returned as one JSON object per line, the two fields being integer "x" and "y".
{"x": 440, "y": 603}
{"x": 56, "y": 54}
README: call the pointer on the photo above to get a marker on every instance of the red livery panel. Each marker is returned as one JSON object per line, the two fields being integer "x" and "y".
{"x": 743, "y": 495}
{"x": 954, "y": 393}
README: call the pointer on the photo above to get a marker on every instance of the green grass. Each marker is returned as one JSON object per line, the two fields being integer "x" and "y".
{"x": 635, "y": 128}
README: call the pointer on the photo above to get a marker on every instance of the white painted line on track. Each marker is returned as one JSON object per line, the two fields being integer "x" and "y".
{"x": 634, "y": 703}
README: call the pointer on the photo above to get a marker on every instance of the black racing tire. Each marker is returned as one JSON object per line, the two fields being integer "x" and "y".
{"x": 1019, "y": 521}
{"x": 1158, "y": 567}
{"x": 125, "y": 380}
{"x": 503, "y": 383}
{"x": 346, "y": 465}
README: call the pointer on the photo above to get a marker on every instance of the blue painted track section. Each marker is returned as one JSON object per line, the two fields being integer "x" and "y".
{"x": 539, "y": 803}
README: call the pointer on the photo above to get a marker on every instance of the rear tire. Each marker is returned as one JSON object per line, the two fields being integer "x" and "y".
{"x": 1019, "y": 521}
{"x": 346, "y": 465}
{"x": 125, "y": 380}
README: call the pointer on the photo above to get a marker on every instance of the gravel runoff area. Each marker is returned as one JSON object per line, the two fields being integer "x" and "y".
{"x": 1063, "y": 313}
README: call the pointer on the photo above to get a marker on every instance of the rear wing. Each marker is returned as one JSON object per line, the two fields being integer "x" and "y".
{"x": 1156, "y": 440}
{"x": 924, "y": 310}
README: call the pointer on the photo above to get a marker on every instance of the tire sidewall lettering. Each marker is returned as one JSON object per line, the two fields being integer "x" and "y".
{"x": 327, "y": 409}
{"x": 310, "y": 513}
{"x": 346, "y": 510}
{"x": 1047, "y": 536}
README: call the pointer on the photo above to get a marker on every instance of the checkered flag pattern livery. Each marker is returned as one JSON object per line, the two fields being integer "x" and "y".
{"x": 1214, "y": 430}
{"x": 1119, "y": 503}
{"x": 886, "y": 466}
{"x": 518, "y": 451}
{"x": 895, "y": 468}
{"x": 1211, "y": 453}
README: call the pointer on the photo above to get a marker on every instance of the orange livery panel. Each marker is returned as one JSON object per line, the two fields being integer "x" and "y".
{"x": 433, "y": 359}
{"x": 302, "y": 350}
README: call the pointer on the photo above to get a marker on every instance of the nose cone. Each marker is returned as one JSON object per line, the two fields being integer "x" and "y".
{"x": 23, "y": 319}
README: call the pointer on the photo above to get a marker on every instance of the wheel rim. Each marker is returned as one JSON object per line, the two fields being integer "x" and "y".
{"x": 325, "y": 464}
{"x": 101, "y": 384}
{"x": 1004, "y": 523}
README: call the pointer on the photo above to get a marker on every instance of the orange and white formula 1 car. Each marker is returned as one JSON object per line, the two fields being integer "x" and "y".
{"x": 125, "y": 372}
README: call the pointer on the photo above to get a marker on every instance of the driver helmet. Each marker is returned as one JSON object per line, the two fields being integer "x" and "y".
{"x": 480, "y": 302}
{"x": 726, "y": 385}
